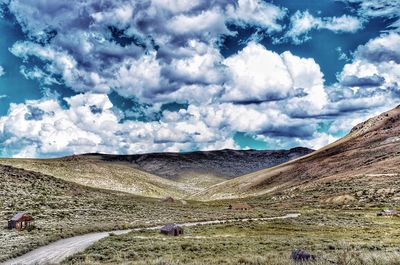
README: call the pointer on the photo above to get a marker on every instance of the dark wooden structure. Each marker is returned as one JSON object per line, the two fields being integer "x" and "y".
{"x": 242, "y": 206}
{"x": 169, "y": 200}
{"x": 299, "y": 255}
{"x": 20, "y": 221}
{"x": 172, "y": 230}
{"x": 388, "y": 213}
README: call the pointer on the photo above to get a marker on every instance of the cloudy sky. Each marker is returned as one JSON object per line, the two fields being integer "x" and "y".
{"x": 134, "y": 76}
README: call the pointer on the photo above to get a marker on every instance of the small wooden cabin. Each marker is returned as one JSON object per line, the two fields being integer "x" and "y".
{"x": 300, "y": 256}
{"x": 169, "y": 200}
{"x": 172, "y": 230}
{"x": 20, "y": 221}
{"x": 242, "y": 206}
{"x": 388, "y": 213}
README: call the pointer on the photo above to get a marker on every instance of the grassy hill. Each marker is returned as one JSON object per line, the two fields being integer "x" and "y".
{"x": 99, "y": 174}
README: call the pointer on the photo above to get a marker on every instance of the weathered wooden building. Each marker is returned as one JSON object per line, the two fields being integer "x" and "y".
{"x": 169, "y": 200}
{"x": 172, "y": 230}
{"x": 301, "y": 256}
{"x": 20, "y": 221}
{"x": 242, "y": 206}
{"x": 388, "y": 212}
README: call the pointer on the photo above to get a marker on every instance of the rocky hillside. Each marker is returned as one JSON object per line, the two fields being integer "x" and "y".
{"x": 370, "y": 152}
{"x": 221, "y": 163}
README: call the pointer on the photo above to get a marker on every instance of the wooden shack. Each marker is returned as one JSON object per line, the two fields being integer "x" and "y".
{"x": 300, "y": 256}
{"x": 169, "y": 200}
{"x": 20, "y": 221}
{"x": 387, "y": 212}
{"x": 172, "y": 230}
{"x": 241, "y": 206}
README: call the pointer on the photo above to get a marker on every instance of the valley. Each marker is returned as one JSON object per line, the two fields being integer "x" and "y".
{"x": 337, "y": 190}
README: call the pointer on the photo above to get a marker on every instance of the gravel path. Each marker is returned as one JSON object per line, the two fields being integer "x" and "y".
{"x": 57, "y": 251}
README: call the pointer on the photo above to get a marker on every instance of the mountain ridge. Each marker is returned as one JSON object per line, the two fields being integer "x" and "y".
{"x": 225, "y": 163}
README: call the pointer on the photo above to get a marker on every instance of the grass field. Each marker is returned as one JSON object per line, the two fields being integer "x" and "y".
{"x": 335, "y": 236}
{"x": 63, "y": 209}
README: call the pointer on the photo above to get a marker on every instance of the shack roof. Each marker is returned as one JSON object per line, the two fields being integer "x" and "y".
{"x": 170, "y": 227}
{"x": 18, "y": 216}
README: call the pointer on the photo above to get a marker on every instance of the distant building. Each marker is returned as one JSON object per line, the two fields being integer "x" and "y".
{"x": 299, "y": 255}
{"x": 388, "y": 212}
{"x": 169, "y": 199}
{"x": 172, "y": 230}
{"x": 242, "y": 206}
{"x": 20, "y": 221}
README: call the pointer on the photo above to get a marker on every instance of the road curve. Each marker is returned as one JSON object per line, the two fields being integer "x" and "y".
{"x": 59, "y": 250}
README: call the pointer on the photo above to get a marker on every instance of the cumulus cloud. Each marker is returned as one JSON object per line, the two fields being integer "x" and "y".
{"x": 376, "y": 63}
{"x": 379, "y": 8}
{"x": 90, "y": 124}
{"x": 2, "y": 71}
{"x": 371, "y": 80}
{"x": 143, "y": 49}
{"x": 157, "y": 52}
{"x": 257, "y": 75}
{"x": 301, "y": 23}
{"x": 258, "y": 13}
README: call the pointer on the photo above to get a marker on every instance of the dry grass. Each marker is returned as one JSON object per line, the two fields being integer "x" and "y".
{"x": 98, "y": 174}
{"x": 63, "y": 209}
{"x": 336, "y": 237}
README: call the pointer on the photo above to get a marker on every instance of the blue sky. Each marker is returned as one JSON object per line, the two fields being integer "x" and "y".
{"x": 175, "y": 75}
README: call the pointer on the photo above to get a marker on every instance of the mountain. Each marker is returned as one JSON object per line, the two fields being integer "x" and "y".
{"x": 159, "y": 174}
{"x": 225, "y": 163}
{"x": 364, "y": 161}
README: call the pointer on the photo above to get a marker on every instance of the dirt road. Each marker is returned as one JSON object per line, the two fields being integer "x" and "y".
{"x": 57, "y": 251}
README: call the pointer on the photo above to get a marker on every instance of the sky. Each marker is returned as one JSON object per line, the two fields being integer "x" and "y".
{"x": 125, "y": 76}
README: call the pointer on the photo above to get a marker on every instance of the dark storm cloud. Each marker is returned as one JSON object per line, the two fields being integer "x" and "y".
{"x": 369, "y": 81}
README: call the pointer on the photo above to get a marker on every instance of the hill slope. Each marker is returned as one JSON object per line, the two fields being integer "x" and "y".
{"x": 370, "y": 151}
{"x": 98, "y": 174}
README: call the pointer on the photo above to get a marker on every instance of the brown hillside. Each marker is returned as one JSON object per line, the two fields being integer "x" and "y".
{"x": 370, "y": 150}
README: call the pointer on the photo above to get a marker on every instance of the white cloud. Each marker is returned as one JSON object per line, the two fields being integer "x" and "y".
{"x": 301, "y": 23}
{"x": 257, "y": 13}
{"x": 2, "y": 72}
{"x": 209, "y": 22}
{"x": 140, "y": 78}
{"x": 167, "y": 51}
{"x": 379, "y": 8}
{"x": 317, "y": 141}
{"x": 89, "y": 124}
{"x": 257, "y": 74}
{"x": 201, "y": 65}
{"x": 378, "y": 59}
{"x": 99, "y": 47}
{"x": 176, "y": 6}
